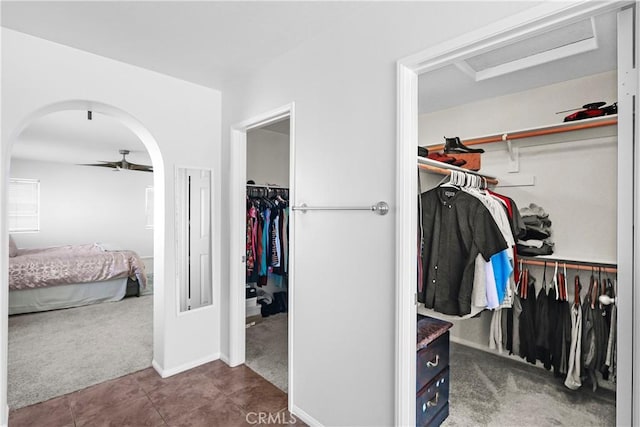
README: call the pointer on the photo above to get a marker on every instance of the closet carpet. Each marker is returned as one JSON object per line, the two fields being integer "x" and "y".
{"x": 490, "y": 390}
{"x": 266, "y": 349}
{"x": 57, "y": 352}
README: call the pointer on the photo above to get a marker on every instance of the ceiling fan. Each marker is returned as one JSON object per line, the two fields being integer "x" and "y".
{"x": 123, "y": 164}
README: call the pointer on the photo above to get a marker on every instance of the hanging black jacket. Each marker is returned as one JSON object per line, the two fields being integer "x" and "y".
{"x": 527, "y": 323}
{"x": 542, "y": 327}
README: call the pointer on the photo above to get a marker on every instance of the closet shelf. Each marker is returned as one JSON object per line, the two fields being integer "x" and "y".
{"x": 445, "y": 169}
{"x": 595, "y": 122}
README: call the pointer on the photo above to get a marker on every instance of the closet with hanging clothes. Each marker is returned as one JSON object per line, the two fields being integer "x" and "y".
{"x": 267, "y": 256}
{"x": 540, "y": 290}
{"x": 267, "y": 252}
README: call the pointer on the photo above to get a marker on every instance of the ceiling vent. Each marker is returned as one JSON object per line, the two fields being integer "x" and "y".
{"x": 550, "y": 46}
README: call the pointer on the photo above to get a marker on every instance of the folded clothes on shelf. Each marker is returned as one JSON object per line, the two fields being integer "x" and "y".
{"x": 537, "y": 233}
{"x": 533, "y": 210}
{"x": 537, "y": 236}
{"x": 536, "y": 221}
{"x": 545, "y": 249}
{"x": 534, "y": 243}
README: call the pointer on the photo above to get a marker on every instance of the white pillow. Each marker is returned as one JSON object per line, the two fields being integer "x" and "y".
{"x": 13, "y": 249}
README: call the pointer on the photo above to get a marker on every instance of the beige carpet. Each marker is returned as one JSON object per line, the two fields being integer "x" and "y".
{"x": 486, "y": 389}
{"x": 490, "y": 390}
{"x": 266, "y": 349}
{"x": 56, "y": 352}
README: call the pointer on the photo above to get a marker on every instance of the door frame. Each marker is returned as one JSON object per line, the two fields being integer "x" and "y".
{"x": 237, "y": 260}
{"x": 517, "y": 27}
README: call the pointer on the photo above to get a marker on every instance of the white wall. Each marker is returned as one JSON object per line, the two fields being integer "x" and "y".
{"x": 343, "y": 84}
{"x": 568, "y": 172}
{"x": 268, "y": 157}
{"x": 180, "y": 125}
{"x": 81, "y": 204}
{"x": 575, "y": 173}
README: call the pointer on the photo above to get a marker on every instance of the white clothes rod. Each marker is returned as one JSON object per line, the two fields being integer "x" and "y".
{"x": 380, "y": 208}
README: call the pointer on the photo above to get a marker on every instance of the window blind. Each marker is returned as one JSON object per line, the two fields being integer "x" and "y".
{"x": 24, "y": 205}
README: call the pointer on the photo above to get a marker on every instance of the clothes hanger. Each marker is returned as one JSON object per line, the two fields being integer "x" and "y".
{"x": 560, "y": 286}
{"x": 563, "y": 286}
{"x": 555, "y": 281}
{"x": 564, "y": 283}
{"x": 518, "y": 282}
{"x": 442, "y": 181}
{"x": 454, "y": 180}
{"x": 592, "y": 281}
{"x": 608, "y": 297}
{"x": 601, "y": 286}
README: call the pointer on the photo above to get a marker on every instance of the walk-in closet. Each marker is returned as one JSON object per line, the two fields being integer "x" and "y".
{"x": 267, "y": 251}
{"x": 518, "y": 231}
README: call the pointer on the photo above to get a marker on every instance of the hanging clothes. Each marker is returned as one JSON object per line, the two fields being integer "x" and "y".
{"x": 266, "y": 247}
{"x": 573, "y": 380}
{"x": 610, "y": 360}
{"x": 565, "y": 327}
{"x": 528, "y": 318}
{"x": 590, "y": 332}
{"x": 457, "y": 227}
{"x": 252, "y": 224}
{"x": 560, "y": 334}
{"x": 495, "y": 331}
{"x": 542, "y": 323}
{"x": 516, "y": 315}
{"x": 267, "y": 235}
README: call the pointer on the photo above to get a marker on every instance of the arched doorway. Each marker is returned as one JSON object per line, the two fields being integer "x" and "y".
{"x": 152, "y": 148}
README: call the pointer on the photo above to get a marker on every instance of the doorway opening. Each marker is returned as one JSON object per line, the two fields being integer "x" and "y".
{"x": 267, "y": 251}
{"x": 87, "y": 215}
{"x": 262, "y": 260}
{"x": 464, "y": 54}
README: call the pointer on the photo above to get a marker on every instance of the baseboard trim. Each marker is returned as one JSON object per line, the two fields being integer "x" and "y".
{"x": 5, "y": 421}
{"x": 486, "y": 349}
{"x": 225, "y": 358}
{"x": 306, "y": 418}
{"x": 472, "y": 344}
{"x": 165, "y": 373}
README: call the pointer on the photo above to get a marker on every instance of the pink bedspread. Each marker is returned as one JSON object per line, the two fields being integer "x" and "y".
{"x": 37, "y": 268}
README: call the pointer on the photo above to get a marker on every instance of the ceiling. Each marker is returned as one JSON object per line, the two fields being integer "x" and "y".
{"x": 69, "y": 137}
{"x": 211, "y": 42}
{"x": 204, "y": 42}
{"x": 281, "y": 126}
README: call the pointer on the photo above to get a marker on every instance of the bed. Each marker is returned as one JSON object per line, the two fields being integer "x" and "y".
{"x": 71, "y": 276}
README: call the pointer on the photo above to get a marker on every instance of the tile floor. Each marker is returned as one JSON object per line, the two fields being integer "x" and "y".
{"x": 209, "y": 395}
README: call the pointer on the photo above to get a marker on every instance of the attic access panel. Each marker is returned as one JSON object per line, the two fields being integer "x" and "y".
{"x": 527, "y": 62}
{"x": 556, "y": 44}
